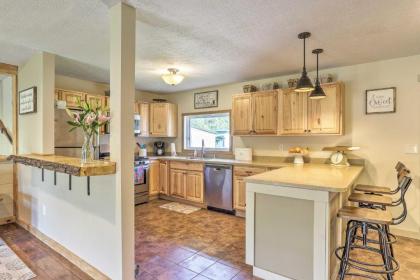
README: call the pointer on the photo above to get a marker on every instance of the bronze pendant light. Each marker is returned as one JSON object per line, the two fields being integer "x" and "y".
{"x": 318, "y": 92}
{"x": 304, "y": 84}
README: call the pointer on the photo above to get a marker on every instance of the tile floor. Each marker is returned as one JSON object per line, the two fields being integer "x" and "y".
{"x": 209, "y": 245}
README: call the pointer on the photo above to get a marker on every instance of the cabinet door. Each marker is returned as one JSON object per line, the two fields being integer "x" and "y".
{"x": 293, "y": 112}
{"x": 239, "y": 193}
{"x": 177, "y": 183}
{"x": 154, "y": 177}
{"x": 95, "y": 101}
{"x": 144, "y": 119}
{"x": 325, "y": 115}
{"x": 163, "y": 178}
{"x": 265, "y": 112}
{"x": 194, "y": 186}
{"x": 242, "y": 114}
{"x": 72, "y": 98}
{"x": 158, "y": 119}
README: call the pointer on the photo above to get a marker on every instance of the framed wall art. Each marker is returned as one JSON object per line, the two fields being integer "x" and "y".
{"x": 207, "y": 99}
{"x": 27, "y": 101}
{"x": 381, "y": 100}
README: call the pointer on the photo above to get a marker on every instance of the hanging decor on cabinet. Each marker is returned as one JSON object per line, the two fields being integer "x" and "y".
{"x": 304, "y": 83}
{"x": 318, "y": 92}
{"x": 381, "y": 100}
{"x": 207, "y": 99}
{"x": 27, "y": 101}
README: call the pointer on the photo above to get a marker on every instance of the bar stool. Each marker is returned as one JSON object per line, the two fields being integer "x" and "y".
{"x": 375, "y": 220}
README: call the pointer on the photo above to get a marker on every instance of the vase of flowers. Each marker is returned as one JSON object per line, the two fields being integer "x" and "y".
{"x": 90, "y": 119}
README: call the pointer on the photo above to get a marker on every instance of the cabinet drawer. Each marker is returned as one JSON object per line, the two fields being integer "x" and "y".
{"x": 6, "y": 173}
{"x": 248, "y": 171}
{"x": 193, "y": 166}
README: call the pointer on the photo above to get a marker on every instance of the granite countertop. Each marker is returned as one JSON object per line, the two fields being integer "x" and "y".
{"x": 68, "y": 165}
{"x": 324, "y": 177}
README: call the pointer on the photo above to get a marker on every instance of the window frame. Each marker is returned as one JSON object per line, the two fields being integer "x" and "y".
{"x": 210, "y": 150}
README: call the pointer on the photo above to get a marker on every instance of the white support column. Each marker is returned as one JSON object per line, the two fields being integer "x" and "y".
{"x": 122, "y": 59}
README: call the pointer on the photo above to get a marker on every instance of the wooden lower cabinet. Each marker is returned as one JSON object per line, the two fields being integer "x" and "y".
{"x": 177, "y": 184}
{"x": 194, "y": 186}
{"x": 154, "y": 177}
{"x": 163, "y": 177}
{"x": 239, "y": 193}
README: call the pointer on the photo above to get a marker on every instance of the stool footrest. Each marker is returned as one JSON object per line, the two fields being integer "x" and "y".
{"x": 372, "y": 189}
{"x": 371, "y": 199}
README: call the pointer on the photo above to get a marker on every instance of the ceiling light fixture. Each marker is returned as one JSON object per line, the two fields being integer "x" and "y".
{"x": 172, "y": 78}
{"x": 304, "y": 84}
{"x": 318, "y": 92}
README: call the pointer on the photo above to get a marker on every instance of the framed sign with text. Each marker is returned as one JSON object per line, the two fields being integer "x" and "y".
{"x": 27, "y": 101}
{"x": 206, "y": 99}
{"x": 381, "y": 100}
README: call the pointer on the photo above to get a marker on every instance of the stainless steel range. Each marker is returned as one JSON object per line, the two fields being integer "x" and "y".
{"x": 141, "y": 180}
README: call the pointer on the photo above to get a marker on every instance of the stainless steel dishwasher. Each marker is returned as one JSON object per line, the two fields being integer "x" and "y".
{"x": 218, "y": 185}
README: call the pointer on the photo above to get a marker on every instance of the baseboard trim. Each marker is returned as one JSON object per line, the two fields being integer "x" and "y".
{"x": 406, "y": 233}
{"x": 70, "y": 256}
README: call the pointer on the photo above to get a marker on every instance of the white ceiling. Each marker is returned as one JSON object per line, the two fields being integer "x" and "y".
{"x": 212, "y": 42}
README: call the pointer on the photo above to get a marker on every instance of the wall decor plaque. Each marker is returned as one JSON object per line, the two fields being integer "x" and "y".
{"x": 27, "y": 101}
{"x": 381, "y": 100}
{"x": 207, "y": 99}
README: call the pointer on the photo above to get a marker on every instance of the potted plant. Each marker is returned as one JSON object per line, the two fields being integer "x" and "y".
{"x": 90, "y": 119}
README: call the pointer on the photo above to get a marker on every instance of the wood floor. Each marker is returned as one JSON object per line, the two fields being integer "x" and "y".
{"x": 202, "y": 245}
{"x": 41, "y": 259}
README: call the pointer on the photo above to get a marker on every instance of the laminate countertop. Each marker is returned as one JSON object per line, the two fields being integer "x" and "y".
{"x": 68, "y": 165}
{"x": 324, "y": 177}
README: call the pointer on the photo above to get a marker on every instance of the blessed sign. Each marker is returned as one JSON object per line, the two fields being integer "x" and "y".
{"x": 27, "y": 101}
{"x": 380, "y": 100}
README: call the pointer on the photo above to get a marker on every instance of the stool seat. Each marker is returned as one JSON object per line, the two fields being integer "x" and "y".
{"x": 371, "y": 199}
{"x": 382, "y": 217}
{"x": 372, "y": 189}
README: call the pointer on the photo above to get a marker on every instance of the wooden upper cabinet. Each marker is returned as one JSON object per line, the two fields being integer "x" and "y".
{"x": 144, "y": 109}
{"x": 293, "y": 112}
{"x": 72, "y": 98}
{"x": 163, "y": 120}
{"x": 242, "y": 114}
{"x": 265, "y": 112}
{"x": 325, "y": 115}
{"x": 254, "y": 113}
{"x": 95, "y": 101}
{"x": 194, "y": 186}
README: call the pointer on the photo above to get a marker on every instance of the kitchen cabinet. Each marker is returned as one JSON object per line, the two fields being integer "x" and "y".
{"x": 144, "y": 109}
{"x": 239, "y": 185}
{"x": 95, "y": 101}
{"x": 163, "y": 120}
{"x": 163, "y": 177}
{"x": 300, "y": 115}
{"x": 154, "y": 176}
{"x": 72, "y": 98}
{"x": 105, "y": 103}
{"x": 255, "y": 113}
{"x": 187, "y": 181}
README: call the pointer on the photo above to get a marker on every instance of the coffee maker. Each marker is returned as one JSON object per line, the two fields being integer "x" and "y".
{"x": 159, "y": 148}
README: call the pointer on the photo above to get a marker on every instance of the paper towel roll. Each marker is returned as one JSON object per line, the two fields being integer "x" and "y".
{"x": 173, "y": 149}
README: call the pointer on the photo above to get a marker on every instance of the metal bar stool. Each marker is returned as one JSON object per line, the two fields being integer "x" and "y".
{"x": 375, "y": 220}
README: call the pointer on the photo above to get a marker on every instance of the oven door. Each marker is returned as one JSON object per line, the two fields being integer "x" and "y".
{"x": 141, "y": 184}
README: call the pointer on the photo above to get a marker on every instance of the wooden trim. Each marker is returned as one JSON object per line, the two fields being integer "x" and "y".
{"x": 8, "y": 69}
{"x": 67, "y": 254}
{"x": 230, "y": 152}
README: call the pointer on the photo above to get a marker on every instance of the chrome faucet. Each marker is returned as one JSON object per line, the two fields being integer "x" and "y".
{"x": 202, "y": 148}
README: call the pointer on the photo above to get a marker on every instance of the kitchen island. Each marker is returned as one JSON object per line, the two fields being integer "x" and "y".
{"x": 292, "y": 228}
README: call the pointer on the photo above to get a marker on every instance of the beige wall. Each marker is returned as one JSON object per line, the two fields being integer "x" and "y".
{"x": 382, "y": 137}
{"x": 35, "y": 135}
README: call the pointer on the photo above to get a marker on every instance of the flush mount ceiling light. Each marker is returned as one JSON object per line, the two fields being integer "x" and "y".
{"x": 172, "y": 78}
{"x": 318, "y": 92}
{"x": 304, "y": 84}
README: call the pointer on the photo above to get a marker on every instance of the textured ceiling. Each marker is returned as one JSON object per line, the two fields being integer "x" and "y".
{"x": 211, "y": 41}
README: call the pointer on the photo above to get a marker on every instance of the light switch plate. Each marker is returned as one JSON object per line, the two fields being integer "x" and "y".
{"x": 411, "y": 149}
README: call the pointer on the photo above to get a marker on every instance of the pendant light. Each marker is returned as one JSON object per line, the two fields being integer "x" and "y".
{"x": 318, "y": 92}
{"x": 172, "y": 78}
{"x": 304, "y": 84}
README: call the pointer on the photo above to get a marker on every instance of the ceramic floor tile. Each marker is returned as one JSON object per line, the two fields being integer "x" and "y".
{"x": 197, "y": 263}
{"x": 220, "y": 271}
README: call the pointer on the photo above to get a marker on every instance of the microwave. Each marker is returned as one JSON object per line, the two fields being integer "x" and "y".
{"x": 137, "y": 124}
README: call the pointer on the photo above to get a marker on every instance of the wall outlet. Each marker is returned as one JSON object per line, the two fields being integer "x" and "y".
{"x": 44, "y": 210}
{"x": 411, "y": 149}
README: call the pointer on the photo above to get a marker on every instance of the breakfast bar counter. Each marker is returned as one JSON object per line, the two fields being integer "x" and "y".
{"x": 292, "y": 227}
